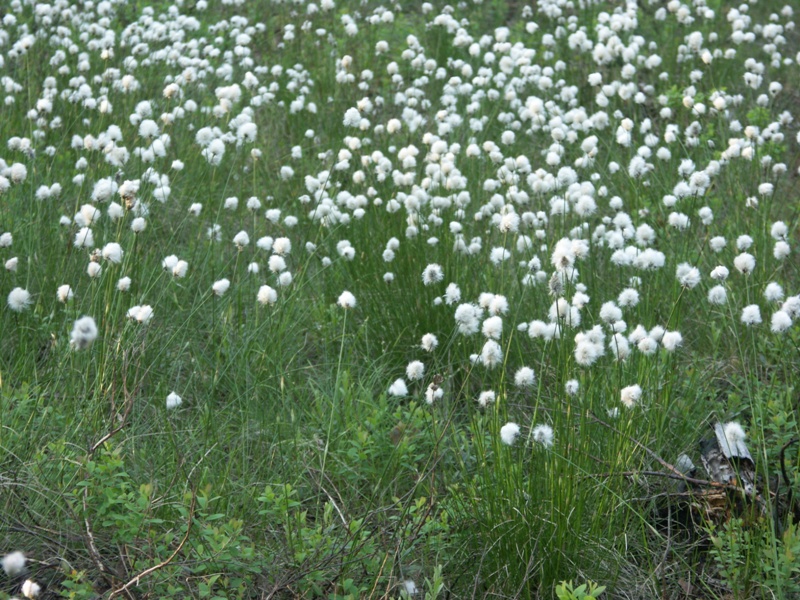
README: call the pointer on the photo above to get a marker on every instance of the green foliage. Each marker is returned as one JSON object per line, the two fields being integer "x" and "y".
{"x": 435, "y": 586}
{"x": 76, "y": 585}
{"x": 751, "y": 560}
{"x": 566, "y": 591}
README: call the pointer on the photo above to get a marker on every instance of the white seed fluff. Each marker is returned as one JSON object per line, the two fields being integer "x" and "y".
{"x": 543, "y": 434}
{"x": 751, "y": 315}
{"x": 524, "y": 377}
{"x": 13, "y": 563}
{"x": 173, "y": 401}
{"x": 346, "y": 300}
{"x": 84, "y": 332}
{"x": 19, "y": 299}
{"x": 220, "y": 287}
{"x": 509, "y": 433}
{"x": 398, "y": 388}
{"x": 415, "y": 370}
{"x": 631, "y": 395}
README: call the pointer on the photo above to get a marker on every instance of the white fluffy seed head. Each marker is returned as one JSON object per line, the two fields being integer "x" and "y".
{"x": 220, "y": 287}
{"x": 493, "y": 328}
{"x": 733, "y": 433}
{"x": 524, "y": 377}
{"x": 543, "y": 435}
{"x": 30, "y": 589}
{"x": 84, "y": 333}
{"x": 173, "y": 401}
{"x": 415, "y": 370}
{"x": 429, "y": 342}
{"x": 744, "y": 263}
{"x": 19, "y": 299}
{"x": 13, "y": 563}
{"x": 781, "y": 321}
{"x": 346, "y": 300}
{"x": 751, "y": 315}
{"x": 509, "y": 433}
{"x": 631, "y": 395}
{"x": 398, "y": 388}
{"x": 64, "y": 293}
{"x": 267, "y": 295}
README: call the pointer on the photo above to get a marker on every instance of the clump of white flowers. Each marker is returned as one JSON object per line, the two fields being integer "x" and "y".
{"x": 141, "y": 313}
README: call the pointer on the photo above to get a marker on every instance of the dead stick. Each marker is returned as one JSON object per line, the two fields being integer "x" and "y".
{"x": 93, "y": 552}
{"x": 653, "y": 455}
{"x": 687, "y": 479}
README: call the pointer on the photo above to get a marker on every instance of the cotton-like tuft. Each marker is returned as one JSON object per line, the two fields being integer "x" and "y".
{"x": 173, "y": 401}
{"x": 631, "y": 395}
{"x": 13, "y": 563}
{"x": 524, "y": 377}
{"x": 241, "y": 239}
{"x": 429, "y": 342}
{"x": 221, "y": 286}
{"x": 398, "y": 388}
{"x": 415, "y": 370}
{"x": 142, "y": 314}
{"x": 751, "y": 315}
{"x": 346, "y": 300}
{"x": 543, "y": 435}
{"x": 19, "y": 299}
{"x": 491, "y": 354}
{"x": 744, "y": 263}
{"x": 113, "y": 252}
{"x": 64, "y": 293}
{"x": 733, "y": 433}
{"x": 467, "y": 318}
{"x": 30, "y": 589}
{"x": 781, "y": 321}
{"x": 486, "y": 398}
{"x": 432, "y": 274}
{"x": 84, "y": 333}
{"x": 493, "y": 328}
{"x": 267, "y": 295}
{"x": 773, "y": 292}
{"x": 509, "y": 433}
{"x": 84, "y": 238}
{"x": 671, "y": 340}
{"x": 452, "y": 294}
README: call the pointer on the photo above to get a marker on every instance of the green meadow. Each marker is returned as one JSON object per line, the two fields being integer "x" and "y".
{"x": 342, "y": 300}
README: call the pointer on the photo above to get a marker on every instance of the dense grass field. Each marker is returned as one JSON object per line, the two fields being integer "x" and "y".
{"x": 377, "y": 300}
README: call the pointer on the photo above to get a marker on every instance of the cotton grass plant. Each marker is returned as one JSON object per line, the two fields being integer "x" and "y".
{"x": 570, "y": 230}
